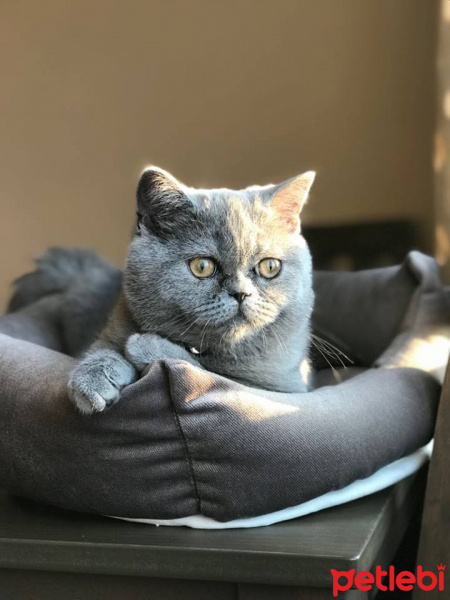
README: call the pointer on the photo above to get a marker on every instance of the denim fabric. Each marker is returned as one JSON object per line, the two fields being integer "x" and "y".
{"x": 255, "y": 452}
{"x": 128, "y": 461}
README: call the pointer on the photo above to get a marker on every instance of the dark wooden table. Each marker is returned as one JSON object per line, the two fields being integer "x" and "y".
{"x": 435, "y": 533}
{"x": 54, "y": 554}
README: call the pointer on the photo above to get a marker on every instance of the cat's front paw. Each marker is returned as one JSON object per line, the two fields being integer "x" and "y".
{"x": 97, "y": 381}
{"x": 144, "y": 348}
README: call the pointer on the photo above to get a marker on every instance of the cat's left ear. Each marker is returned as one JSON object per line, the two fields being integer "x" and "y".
{"x": 289, "y": 197}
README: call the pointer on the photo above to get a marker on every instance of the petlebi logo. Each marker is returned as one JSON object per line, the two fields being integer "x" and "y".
{"x": 388, "y": 580}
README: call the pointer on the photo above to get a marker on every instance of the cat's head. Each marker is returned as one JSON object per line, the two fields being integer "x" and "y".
{"x": 213, "y": 266}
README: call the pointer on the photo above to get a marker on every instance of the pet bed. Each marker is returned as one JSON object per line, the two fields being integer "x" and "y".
{"x": 188, "y": 447}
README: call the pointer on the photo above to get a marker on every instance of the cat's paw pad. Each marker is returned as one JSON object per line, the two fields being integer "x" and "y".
{"x": 97, "y": 381}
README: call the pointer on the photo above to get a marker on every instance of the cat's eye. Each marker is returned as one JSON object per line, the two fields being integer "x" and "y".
{"x": 202, "y": 267}
{"x": 269, "y": 267}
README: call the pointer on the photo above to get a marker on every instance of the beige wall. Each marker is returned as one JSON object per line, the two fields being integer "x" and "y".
{"x": 222, "y": 92}
{"x": 442, "y": 146}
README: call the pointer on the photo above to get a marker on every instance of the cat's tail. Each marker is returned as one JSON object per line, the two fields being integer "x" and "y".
{"x": 56, "y": 271}
{"x": 77, "y": 286}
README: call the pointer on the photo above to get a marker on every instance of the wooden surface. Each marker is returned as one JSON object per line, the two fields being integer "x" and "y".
{"x": 434, "y": 547}
{"x": 298, "y": 553}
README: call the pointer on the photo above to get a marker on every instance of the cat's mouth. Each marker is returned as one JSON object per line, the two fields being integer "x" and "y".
{"x": 239, "y": 316}
{"x": 247, "y": 318}
{"x": 231, "y": 328}
{"x": 242, "y": 324}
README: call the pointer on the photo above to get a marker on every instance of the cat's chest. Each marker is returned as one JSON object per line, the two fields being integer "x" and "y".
{"x": 258, "y": 366}
{"x": 247, "y": 356}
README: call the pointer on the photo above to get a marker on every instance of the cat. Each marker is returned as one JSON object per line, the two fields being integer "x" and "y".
{"x": 221, "y": 279}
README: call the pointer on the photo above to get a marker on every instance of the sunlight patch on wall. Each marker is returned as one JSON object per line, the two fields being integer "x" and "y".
{"x": 440, "y": 152}
{"x": 442, "y": 245}
{"x": 446, "y": 10}
{"x": 446, "y": 102}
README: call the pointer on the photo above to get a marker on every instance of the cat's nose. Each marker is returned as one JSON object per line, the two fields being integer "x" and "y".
{"x": 239, "y": 296}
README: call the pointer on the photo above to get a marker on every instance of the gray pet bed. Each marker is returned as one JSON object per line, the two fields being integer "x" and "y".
{"x": 189, "y": 447}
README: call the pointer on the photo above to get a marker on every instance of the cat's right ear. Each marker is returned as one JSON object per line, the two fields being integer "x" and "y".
{"x": 161, "y": 202}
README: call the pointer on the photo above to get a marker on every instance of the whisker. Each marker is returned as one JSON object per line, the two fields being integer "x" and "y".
{"x": 189, "y": 326}
{"x": 264, "y": 337}
{"x": 332, "y": 348}
{"x": 330, "y": 352}
{"x": 175, "y": 321}
{"x": 324, "y": 356}
{"x": 329, "y": 344}
{"x": 222, "y": 338}
{"x": 203, "y": 335}
{"x": 280, "y": 342}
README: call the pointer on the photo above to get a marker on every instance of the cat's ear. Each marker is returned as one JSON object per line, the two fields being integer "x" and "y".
{"x": 162, "y": 202}
{"x": 288, "y": 198}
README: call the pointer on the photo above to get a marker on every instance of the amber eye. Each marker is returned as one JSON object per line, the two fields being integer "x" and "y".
{"x": 269, "y": 267}
{"x": 202, "y": 267}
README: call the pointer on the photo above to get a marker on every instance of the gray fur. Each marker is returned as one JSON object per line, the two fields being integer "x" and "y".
{"x": 79, "y": 286}
{"x": 143, "y": 348}
{"x": 100, "y": 379}
{"x": 166, "y": 312}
